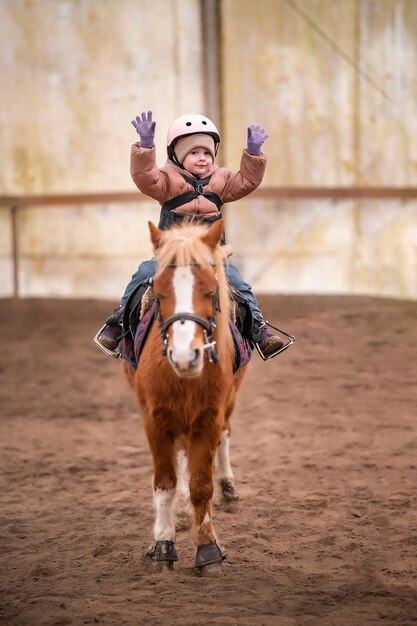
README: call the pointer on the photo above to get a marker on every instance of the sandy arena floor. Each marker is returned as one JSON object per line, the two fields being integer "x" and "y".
{"x": 324, "y": 452}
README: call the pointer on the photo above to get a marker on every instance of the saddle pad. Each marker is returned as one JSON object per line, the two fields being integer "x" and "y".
{"x": 243, "y": 348}
{"x": 131, "y": 350}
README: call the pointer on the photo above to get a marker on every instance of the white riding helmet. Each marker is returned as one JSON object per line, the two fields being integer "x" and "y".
{"x": 190, "y": 125}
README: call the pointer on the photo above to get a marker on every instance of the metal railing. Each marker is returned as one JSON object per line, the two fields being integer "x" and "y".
{"x": 17, "y": 203}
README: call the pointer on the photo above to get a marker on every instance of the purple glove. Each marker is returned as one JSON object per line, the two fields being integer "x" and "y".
{"x": 145, "y": 128}
{"x": 256, "y": 137}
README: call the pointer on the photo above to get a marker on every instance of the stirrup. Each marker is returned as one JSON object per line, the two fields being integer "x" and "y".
{"x": 113, "y": 353}
{"x": 286, "y": 345}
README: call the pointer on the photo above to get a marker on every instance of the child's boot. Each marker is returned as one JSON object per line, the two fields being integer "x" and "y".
{"x": 269, "y": 341}
{"x": 266, "y": 339}
{"x": 112, "y": 331}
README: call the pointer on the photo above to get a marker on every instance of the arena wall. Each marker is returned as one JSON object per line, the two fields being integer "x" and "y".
{"x": 334, "y": 83}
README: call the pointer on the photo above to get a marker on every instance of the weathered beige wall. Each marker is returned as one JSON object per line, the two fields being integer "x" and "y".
{"x": 87, "y": 251}
{"x": 75, "y": 72}
{"x": 327, "y": 247}
{"x": 328, "y": 126}
{"x": 387, "y": 134}
{"x": 278, "y": 72}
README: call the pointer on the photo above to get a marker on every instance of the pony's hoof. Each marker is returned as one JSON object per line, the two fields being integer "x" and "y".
{"x": 159, "y": 567}
{"x": 231, "y": 507}
{"x": 213, "y": 570}
{"x": 162, "y": 555}
{"x": 209, "y": 559}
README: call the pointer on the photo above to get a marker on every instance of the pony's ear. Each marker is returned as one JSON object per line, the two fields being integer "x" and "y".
{"x": 214, "y": 234}
{"x": 155, "y": 235}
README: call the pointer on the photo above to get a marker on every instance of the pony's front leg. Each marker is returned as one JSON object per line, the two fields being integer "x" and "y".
{"x": 162, "y": 551}
{"x": 201, "y": 455}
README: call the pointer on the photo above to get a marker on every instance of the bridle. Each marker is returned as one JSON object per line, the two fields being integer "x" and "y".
{"x": 208, "y": 325}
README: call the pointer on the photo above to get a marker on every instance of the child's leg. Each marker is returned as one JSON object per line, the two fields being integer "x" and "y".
{"x": 112, "y": 331}
{"x": 268, "y": 341}
{"x": 145, "y": 270}
{"x": 235, "y": 277}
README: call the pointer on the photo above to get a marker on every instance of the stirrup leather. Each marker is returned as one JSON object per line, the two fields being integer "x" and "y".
{"x": 290, "y": 341}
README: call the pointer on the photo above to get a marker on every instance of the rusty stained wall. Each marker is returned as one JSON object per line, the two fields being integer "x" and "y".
{"x": 328, "y": 125}
{"x": 74, "y": 74}
{"x": 87, "y": 262}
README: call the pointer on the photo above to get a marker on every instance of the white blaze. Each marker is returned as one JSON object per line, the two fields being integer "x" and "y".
{"x": 183, "y": 332}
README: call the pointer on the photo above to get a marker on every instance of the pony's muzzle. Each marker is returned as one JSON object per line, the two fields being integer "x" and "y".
{"x": 189, "y": 364}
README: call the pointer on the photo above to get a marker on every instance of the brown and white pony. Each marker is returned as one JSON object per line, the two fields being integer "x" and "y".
{"x": 186, "y": 387}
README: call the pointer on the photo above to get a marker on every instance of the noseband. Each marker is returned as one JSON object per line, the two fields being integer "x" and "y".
{"x": 208, "y": 325}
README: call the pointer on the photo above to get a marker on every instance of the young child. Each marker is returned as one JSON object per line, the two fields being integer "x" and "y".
{"x": 190, "y": 184}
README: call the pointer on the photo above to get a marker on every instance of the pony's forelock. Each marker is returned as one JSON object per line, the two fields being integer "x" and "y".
{"x": 182, "y": 245}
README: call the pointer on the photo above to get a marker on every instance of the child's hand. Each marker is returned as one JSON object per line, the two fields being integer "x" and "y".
{"x": 145, "y": 128}
{"x": 227, "y": 250}
{"x": 256, "y": 137}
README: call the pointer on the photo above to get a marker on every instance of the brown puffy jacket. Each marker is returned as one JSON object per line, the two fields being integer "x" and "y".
{"x": 167, "y": 182}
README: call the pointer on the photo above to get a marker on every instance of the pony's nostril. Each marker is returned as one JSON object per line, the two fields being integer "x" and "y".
{"x": 194, "y": 362}
{"x": 170, "y": 357}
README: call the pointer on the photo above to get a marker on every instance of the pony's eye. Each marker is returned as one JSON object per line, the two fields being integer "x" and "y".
{"x": 210, "y": 294}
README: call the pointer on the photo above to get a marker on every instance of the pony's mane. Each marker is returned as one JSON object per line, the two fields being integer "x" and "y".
{"x": 182, "y": 245}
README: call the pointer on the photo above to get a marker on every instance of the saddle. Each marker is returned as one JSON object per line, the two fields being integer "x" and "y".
{"x": 140, "y": 311}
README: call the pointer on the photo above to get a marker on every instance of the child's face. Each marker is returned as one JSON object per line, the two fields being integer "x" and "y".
{"x": 198, "y": 161}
